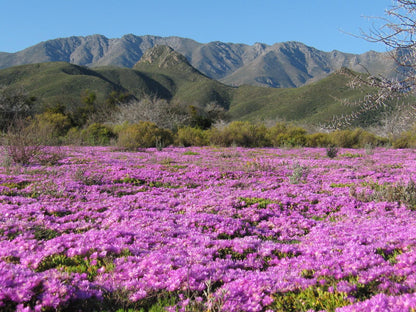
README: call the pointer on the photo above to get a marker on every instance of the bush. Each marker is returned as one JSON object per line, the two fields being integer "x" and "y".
{"x": 73, "y": 136}
{"x": 97, "y": 134}
{"x": 318, "y": 140}
{"x": 189, "y": 136}
{"x": 345, "y": 138}
{"x": 143, "y": 134}
{"x": 332, "y": 151}
{"x": 240, "y": 133}
{"x": 299, "y": 174}
{"x": 282, "y": 134}
{"x": 15, "y": 104}
{"x": 406, "y": 140}
{"x": 21, "y": 143}
{"x": 51, "y": 127}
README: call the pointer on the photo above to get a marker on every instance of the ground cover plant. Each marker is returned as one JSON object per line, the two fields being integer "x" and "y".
{"x": 209, "y": 229}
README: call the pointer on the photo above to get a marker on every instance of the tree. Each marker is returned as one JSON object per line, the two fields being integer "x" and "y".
{"x": 14, "y": 104}
{"x": 152, "y": 109}
{"x": 396, "y": 30}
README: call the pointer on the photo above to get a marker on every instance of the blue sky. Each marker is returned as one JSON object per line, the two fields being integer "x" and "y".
{"x": 323, "y": 24}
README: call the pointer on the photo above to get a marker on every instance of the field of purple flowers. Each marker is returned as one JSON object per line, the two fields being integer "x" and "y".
{"x": 209, "y": 229}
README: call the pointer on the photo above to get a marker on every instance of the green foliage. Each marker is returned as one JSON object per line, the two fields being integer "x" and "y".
{"x": 51, "y": 127}
{"x": 64, "y": 83}
{"x": 337, "y": 185}
{"x": 318, "y": 139}
{"x": 312, "y": 298}
{"x": 223, "y": 253}
{"x": 355, "y": 138}
{"x": 17, "y": 185}
{"x": 389, "y": 255}
{"x": 345, "y": 138}
{"x": 97, "y": 134}
{"x": 139, "y": 182}
{"x": 261, "y": 202}
{"x": 404, "y": 193}
{"x": 42, "y": 233}
{"x": 282, "y": 134}
{"x": 240, "y": 133}
{"x": 315, "y": 103}
{"x": 88, "y": 264}
{"x": 190, "y": 153}
{"x": 76, "y": 264}
{"x": 189, "y": 136}
{"x": 142, "y": 134}
{"x": 351, "y": 155}
{"x": 406, "y": 140}
{"x": 81, "y": 112}
{"x": 198, "y": 119}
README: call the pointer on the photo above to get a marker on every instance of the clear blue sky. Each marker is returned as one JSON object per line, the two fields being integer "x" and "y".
{"x": 322, "y": 24}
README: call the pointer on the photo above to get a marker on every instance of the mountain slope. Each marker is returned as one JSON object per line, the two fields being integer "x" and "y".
{"x": 314, "y": 103}
{"x": 162, "y": 72}
{"x": 288, "y": 64}
{"x": 173, "y": 70}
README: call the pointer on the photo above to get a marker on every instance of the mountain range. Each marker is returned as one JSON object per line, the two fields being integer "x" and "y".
{"x": 164, "y": 73}
{"x": 281, "y": 65}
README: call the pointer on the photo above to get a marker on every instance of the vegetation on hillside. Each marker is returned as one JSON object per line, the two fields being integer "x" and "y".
{"x": 66, "y": 88}
{"x": 164, "y": 100}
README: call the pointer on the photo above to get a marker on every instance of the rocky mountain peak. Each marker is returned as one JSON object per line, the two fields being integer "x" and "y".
{"x": 164, "y": 57}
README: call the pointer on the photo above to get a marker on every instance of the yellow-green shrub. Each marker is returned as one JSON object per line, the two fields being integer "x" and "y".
{"x": 406, "y": 140}
{"x": 143, "y": 134}
{"x": 189, "y": 136}
{"x": 240, "y": 133}
{"x": 355, "y": 138}
{"x": 318, "y": 139}
{"x": 282, "y": 134}
{"x": 97, "y": 134}
{"x": 345, "y": 138}
{"x": 49, "y": 127}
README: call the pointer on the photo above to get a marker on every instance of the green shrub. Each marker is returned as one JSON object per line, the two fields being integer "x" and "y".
{"x": 189, "y": 136}
{"x": 73, "y": 137}
{"x": 318, "y": 139}
{"x": 282, "y": 134}
{"x": 406, "y": 140}
{"x": 97, "y": 134}
{"x": 344, "y": 138}
{"x": 240, "y": 133}
{"x": 357, "y": 138}
{"x": 143, "y": 134}
{"x": 48, "y": 127}
{"x": 404, "y": 193}
{"x": 313, "y": 298}
{"x": 94, "y": 134}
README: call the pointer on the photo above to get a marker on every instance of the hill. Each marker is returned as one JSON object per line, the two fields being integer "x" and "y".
{"x": 164, "y": 73}
{"x": 283, "y": 65}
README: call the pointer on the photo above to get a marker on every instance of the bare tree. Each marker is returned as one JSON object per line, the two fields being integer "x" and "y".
{"x": 396, "y": 30}
{"x": 159, "y": 111}
{"x": 167, "y": 115}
